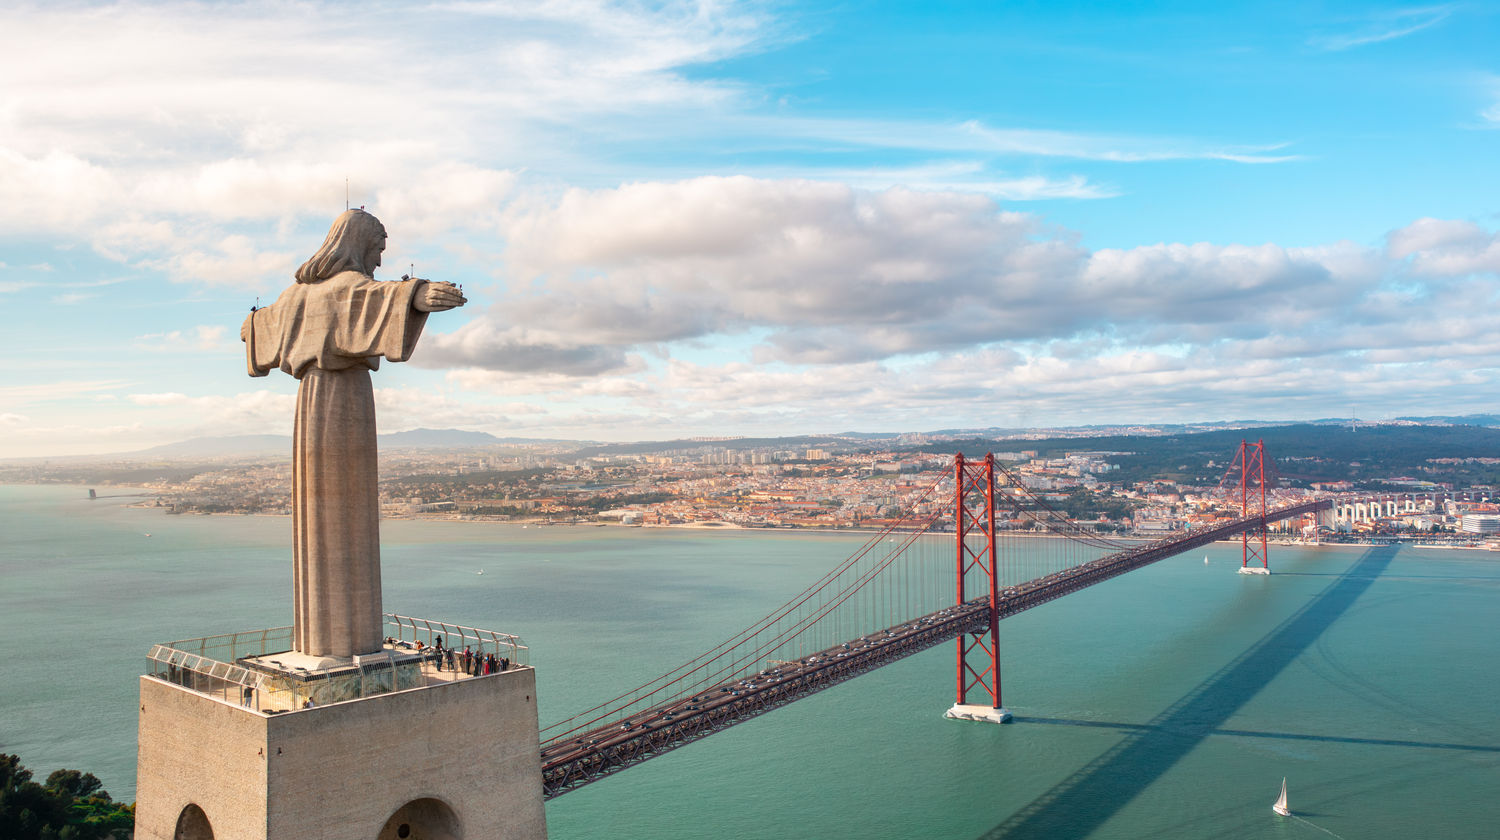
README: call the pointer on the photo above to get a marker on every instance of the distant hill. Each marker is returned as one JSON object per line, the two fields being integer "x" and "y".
{"x": 250, "y": 446}
{"x": 1125, "y": 436}
{"x": 698, "y": 444}
{"x": 1462, "y": 420}
{"x": 437, "y": 439}
{"x": 236, "y": 446}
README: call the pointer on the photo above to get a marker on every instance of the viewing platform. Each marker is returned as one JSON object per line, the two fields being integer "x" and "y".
{"x": 258, "y": 669}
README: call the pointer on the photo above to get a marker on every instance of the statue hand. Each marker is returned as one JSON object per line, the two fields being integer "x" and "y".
{"x": 437, "y": 297}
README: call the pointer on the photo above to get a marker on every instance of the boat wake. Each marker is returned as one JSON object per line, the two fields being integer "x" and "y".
{"x": 1312, "y": 824}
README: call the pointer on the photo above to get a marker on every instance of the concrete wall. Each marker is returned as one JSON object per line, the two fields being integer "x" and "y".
{"x": 342, "y": 771}
{"x": 194, "y": 749}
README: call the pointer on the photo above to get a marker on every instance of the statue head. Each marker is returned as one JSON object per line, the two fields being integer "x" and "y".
{"x": 353, "y": 243}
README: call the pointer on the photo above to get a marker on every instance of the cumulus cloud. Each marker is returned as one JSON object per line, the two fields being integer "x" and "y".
{"x": 666, "y": 262}
{"x": 858, "y": 301}
{"x": 207, "y": 116}
{"x": 825, "y": 273}
{"x": 208, "y": 122}
{"x": 1446, "y": 248}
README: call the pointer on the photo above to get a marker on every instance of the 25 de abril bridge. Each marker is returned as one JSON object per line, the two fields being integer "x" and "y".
{"x": 947, "y": 572}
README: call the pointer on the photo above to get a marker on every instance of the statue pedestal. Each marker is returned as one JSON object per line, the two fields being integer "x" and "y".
{"x": 456, "y": 760}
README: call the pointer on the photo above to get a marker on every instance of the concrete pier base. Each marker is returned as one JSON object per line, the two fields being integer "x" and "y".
{"x": 1254, "y": 570}
{"x": 449, "y": 761}
{"x": 983, "y": 714}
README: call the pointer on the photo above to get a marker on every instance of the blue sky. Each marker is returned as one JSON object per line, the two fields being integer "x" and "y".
{"x": 679, "y": 219}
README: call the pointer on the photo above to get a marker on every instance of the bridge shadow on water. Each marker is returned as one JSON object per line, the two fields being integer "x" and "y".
{"x": 1084, "y": 801}
{"x": 1142, "y": 728}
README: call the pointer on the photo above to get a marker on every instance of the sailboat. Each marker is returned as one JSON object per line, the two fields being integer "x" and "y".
{"x": 1280, "y": 806}
{"x": 1205, "y": 559}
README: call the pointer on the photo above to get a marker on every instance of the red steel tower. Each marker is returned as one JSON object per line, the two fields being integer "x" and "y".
{"x": 1251, "y": 463}
{"x": 979, "y": 652}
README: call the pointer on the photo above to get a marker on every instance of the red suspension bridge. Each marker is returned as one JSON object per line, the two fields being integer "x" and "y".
{"x": 949, "y": 572}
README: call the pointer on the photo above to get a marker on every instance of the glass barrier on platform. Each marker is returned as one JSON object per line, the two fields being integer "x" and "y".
{"x": 240, "y": 668}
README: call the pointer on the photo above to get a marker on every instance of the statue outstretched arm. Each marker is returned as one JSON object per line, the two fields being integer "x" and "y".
{"x": 437, "y": 297}
{"x": 259, "y": 351}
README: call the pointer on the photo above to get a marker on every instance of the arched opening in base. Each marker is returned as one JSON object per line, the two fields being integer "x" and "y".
{"x": 422, "y": 819}
{"x": 192, "y": 824}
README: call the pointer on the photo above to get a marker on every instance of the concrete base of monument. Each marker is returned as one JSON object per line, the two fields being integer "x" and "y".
{"x": 455, "y": 760}
{"x": 1254, "y": 570}
{"x": 984, "y": 714}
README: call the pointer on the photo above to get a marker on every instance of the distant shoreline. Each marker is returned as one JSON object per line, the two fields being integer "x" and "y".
{"x": 694, "y": 526}
{"x": 730, "y": 526}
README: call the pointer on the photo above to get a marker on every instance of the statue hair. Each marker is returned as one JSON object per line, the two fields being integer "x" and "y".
{"x": 344, "y": 248}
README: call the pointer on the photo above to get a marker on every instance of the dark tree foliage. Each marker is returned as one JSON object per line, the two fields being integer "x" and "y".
{"x": 1302, "y": 453}
{"x": 472, "y": 477}
{"x": 72, "y": 805}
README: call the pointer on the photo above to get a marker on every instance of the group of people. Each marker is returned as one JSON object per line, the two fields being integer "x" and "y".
{"x": 473, "y": 663}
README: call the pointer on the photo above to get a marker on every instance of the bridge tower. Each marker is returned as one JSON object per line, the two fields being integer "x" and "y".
{"x": 1251, "y": 463}
{"x": 974, "y": 535}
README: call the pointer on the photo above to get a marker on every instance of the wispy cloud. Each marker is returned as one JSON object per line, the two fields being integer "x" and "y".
{"x": 188, "y": 139}
{"x": 201, "y": 339}
{"x": 1491, "y": 114}
{"x": 22, "y": 394}
{"x": 1385, "y": 26}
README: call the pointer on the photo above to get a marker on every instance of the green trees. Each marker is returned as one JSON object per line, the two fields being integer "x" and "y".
{"x": 71, "y": 806}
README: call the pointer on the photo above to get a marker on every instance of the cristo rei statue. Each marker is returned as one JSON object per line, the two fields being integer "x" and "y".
{"x": 329, "y": 330}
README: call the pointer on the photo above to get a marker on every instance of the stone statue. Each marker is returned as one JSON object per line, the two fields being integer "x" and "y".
{"x": 329, "y": 330}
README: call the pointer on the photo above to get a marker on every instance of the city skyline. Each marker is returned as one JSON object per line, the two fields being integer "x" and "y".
{"x": 758, "y": 219}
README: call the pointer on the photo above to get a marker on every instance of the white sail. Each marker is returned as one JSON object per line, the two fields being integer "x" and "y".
{"x": 1280, "y": 806}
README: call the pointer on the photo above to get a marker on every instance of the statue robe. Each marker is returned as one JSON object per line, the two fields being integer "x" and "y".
{"x": 330, "y": 335}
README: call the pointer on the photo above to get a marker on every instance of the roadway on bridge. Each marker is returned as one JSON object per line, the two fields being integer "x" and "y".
{"x": 576, "y": 759}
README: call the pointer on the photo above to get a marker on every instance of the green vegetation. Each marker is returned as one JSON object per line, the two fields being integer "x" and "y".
{"x": 1085, "y": 504}
{"x": 595, "y": 504}
{"x": 69, "y": 806}
{"x": 473, "y": 477}
{"x": 1368, "y": 457}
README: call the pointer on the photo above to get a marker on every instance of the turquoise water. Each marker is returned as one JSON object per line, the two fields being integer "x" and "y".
{"x": 1166, "y": 703}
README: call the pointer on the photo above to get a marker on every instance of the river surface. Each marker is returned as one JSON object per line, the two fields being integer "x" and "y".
{"x": 1169, "y": 702}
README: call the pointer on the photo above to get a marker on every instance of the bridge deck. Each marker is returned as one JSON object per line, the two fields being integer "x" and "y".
{"x": 573, "y": 761}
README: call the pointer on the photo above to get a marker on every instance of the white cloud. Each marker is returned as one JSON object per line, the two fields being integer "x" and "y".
{"x": 1385, "y": 26}
{"x": 252, "y": 412}
{"x": 62, "y": 389}
{"x": 209, "y": 122}
{"x": 826, "y": 274}
{"x": 1446, "y": 248}
{"x": 902, "y": 305}
{"x": 201, "y": 339}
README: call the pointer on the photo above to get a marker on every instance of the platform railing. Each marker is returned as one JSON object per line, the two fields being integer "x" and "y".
{"x": 211, "y": 665}
{"x": 405, "y": 629}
